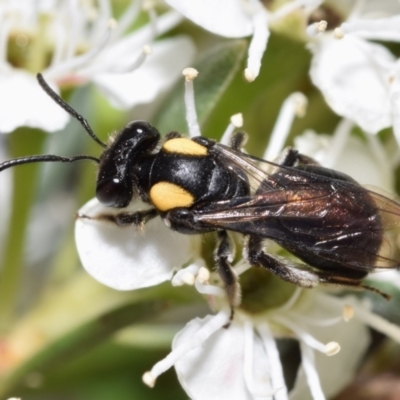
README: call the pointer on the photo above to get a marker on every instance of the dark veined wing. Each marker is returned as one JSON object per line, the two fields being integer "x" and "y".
{"x": 265, "y": 175}
{"x": 336, "y": 222}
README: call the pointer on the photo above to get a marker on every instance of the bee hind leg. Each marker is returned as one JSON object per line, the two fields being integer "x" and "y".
{"x": 287, "y": 270}
{"x": 223, "y": 256}
{"x": 299, "y": 274}
{"x": 350, "y": 283}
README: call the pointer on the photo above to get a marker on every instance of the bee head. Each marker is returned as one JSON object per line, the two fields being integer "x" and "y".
{"x": 115, "y": 180}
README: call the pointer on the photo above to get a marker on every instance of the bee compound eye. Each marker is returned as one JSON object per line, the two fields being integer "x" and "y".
{"x": 113, "y": 193}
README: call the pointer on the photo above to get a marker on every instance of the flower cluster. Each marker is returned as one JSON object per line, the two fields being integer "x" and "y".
{"x": 75, "y": 42}
{"x": 131, "y": 61}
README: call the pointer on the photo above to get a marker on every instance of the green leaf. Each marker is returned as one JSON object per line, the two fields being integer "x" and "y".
{"x": 216, "y": 70}
{"x": 80, "y": 340}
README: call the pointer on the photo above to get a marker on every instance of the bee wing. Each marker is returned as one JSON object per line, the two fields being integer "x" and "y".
{"x": 265, "y": 175}
{"x": 259, "y": 171}
{"x": 345, "y": 224}
{"x": 389, "y": 211}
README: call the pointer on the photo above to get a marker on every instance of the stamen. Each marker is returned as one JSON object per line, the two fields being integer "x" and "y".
{"x": 291, "y": 302}
{"x": 248, "y": 364}
{"x": 274, "y": 361}
{"x": 308, "y": 362}
{"x": 258, "y": 42}
{"x": 129, "y": 15}
{"x": 153, "y": 23}
{"x": 204, "y": 275}
{"x": 248, "y": 355}
{"x": 294, "y": 105}
{"x": 378, "y": 323}
{"x": 241, "y": 267}
{"x": 203, "y": 287}
{"x": 213, "y": 325}
{"x": 311, "y": 341}
{"x": 339, "y": 141}
{"x": 187, "y": 275}
{"x": 379, "y": 153}
{"x": 332, "y": 348}
{"x": 84, "y": 59}
{"x": 140, "y": 59}
{"x": 60, "y": 40}
{"x": 348, "y": 312}
{"x": 316, "y": 28}
{"x": 338, "y": 33}
{"x": 73, "y": 25}
{"x": 236, "y": 122}
{"x": 191, "y": 116}
{"x": 99, "y": 21}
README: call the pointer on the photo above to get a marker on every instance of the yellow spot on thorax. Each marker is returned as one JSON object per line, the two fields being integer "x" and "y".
{"x": 185, "y": 146}
{"x": 166, "y": 196}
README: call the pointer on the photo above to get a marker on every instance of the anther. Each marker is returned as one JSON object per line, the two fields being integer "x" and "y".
{"x": 348, "y": 312}
{"x": 190, "y": 74}
{"x": 149, "y": 379}
{"x": 338, "y": 33}
{"x": 237, "y": 120}
{"x": 332, "y": 348}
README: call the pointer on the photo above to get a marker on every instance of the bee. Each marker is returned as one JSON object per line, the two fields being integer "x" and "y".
{"x": 338, "y": 230}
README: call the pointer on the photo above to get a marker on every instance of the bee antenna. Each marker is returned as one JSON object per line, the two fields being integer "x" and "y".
{"x": 44, "y": 158}
{"x": 68, "y": 109}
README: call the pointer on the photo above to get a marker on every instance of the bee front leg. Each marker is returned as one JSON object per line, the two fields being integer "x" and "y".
{"x": 290, "y": 157}
{"x": 223, "y": 257}
{"x": 287, "y": 270}
{"x": 123, "y": 219}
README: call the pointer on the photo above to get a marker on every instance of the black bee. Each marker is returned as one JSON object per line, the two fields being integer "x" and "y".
{"x": 339, "y": 230}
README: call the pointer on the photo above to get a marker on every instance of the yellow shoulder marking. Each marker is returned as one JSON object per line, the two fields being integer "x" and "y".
{"x": 165, "y": 196}
{"x": 185, "y": 146}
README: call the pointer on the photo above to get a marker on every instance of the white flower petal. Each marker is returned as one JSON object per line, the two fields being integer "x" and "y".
{"x": 125, "y": 259}
{"x": 24, "y": 103}
{"x": 228, "y": 18}
{"x": 161, "y": 69}
{"x": 353, "y": 76}
{"x": 122, "y": 52}
{"x": 356, "y": 158}
{"x": 335, "y": 371}
{"x": 378, "y": 8}
{"x": 215, "y": 370}
{"x": 380, "y": 29}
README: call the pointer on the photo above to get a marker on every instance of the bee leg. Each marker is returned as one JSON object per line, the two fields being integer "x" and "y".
{"x": 290, "y": 157}
{"x": 123, "y": 219}
{"x": 172, "y": 135}
{"x": 351, "y": 283}
{"x": 238, "y": 140}
{"x": 223, "y": 258}
{"x": 295, "y": 273}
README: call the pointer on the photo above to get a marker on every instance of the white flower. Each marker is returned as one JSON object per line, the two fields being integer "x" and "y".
{"x": 243, "y": 361}
{"x": 127, "y": 259}
{"x": 73, "y": 43}
{"x": 360, "y": 79}
{"x": 237, "y": 18}
{"x": 365, "y": 159}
